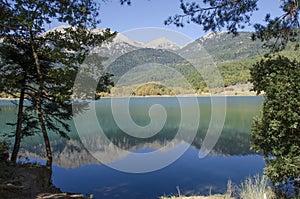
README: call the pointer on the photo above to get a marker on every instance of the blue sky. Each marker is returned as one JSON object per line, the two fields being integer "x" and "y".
{"x": 144, "y": 20}
{"x": 152, "y": 13}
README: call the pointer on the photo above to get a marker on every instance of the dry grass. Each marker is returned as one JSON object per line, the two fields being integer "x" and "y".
{"x": 196, "y": 197}
{"x": 252, "y": 188}
{"x": 256, "y": 188}
{"x": 218, "y": 196}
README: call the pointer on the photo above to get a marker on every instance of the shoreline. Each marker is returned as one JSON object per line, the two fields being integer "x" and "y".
{"x": 8, "y": 99}
{"x": 188, "y": 95}
{"x": 158, "y": 96}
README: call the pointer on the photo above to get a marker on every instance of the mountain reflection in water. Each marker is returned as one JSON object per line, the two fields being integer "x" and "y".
{"x": 234, "y": 139}
{"x": 231, "y": 158}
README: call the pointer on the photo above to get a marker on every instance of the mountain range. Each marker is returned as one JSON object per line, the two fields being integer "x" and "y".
{"x": 222, "y": 46}
{"x": 165, "y": 62}
{"x": 146, "y": 61}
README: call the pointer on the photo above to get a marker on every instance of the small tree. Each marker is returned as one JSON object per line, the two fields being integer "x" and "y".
{"x": 17, "y": 74}
{"x": 277, "y": 131}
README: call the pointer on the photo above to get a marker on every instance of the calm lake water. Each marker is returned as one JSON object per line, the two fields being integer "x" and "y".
{"x": 76, "y": 170}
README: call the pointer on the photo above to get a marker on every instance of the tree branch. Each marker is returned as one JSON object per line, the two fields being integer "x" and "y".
{"x": 11, "y": 27}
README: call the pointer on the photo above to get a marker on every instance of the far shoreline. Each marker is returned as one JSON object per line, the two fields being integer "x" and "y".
{"x": 8, "y": 99}
{"x": 246, "y": 94}
{"x": 159, "y": 96}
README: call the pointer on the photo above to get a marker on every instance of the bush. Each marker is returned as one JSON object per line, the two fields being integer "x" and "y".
{"x": 276, "y": 132}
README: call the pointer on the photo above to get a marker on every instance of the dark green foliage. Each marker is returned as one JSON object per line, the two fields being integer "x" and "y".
{"x": 277, "y": 131}
{"x": 41, "y": 66}
{"x": 227, "y": 47}
{"x": 156, "y": 57}
{"x": 215, "y": 15}
{"x": 235, "y": 72}
{"x": 14, "y": 77}
{"x": 280, "y": 30}
{"x": 93, "y": 77}
{"x": 59, "y": 71}
{"x": 142, "y": 56}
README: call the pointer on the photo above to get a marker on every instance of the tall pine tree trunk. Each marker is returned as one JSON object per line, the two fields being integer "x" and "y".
{"x": 18, "y": 133}
{"x": 39, "y": 104}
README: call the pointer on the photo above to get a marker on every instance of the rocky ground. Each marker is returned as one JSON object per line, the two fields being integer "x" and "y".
{"x": 29, "y": 181}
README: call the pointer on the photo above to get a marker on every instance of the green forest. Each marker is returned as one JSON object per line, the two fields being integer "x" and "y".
{"x": 234, "y": 65}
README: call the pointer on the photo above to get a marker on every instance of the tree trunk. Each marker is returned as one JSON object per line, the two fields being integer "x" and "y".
{"x": 45, "y": 135}
{"x": 18, "y": 132}
{"x": 39, "y": 104}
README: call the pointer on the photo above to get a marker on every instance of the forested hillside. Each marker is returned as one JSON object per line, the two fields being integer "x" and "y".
{"x": 233, "y": 55}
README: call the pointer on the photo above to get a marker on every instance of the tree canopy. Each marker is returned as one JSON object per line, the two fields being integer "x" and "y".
{"x": 276, "y": 132}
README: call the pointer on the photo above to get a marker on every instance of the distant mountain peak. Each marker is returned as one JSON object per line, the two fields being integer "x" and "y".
{"x": 162, "y": 43}
{"x": 213, "y": 35}
{"x": 160, "y": 39}
{"x": 122, "y": 38}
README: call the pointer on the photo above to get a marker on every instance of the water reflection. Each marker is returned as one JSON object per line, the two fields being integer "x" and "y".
{"x": 71, "y": 153}
{"x": 76, "y": 170}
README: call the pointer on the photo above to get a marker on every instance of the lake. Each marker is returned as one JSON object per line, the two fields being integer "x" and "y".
{"x": 111, "y": 159}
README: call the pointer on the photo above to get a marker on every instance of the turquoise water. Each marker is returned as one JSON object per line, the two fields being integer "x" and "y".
{"x": 76, "y": 170}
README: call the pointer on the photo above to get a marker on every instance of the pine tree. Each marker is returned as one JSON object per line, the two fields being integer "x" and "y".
{"x": 40, "y": 66}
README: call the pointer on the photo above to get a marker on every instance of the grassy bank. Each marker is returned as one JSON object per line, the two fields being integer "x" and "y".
{"x": 252, "y": 188}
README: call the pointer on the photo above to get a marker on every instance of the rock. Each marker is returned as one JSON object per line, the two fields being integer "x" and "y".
{"x": 4, "y": 156}
{"x": 28, "y": 181}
